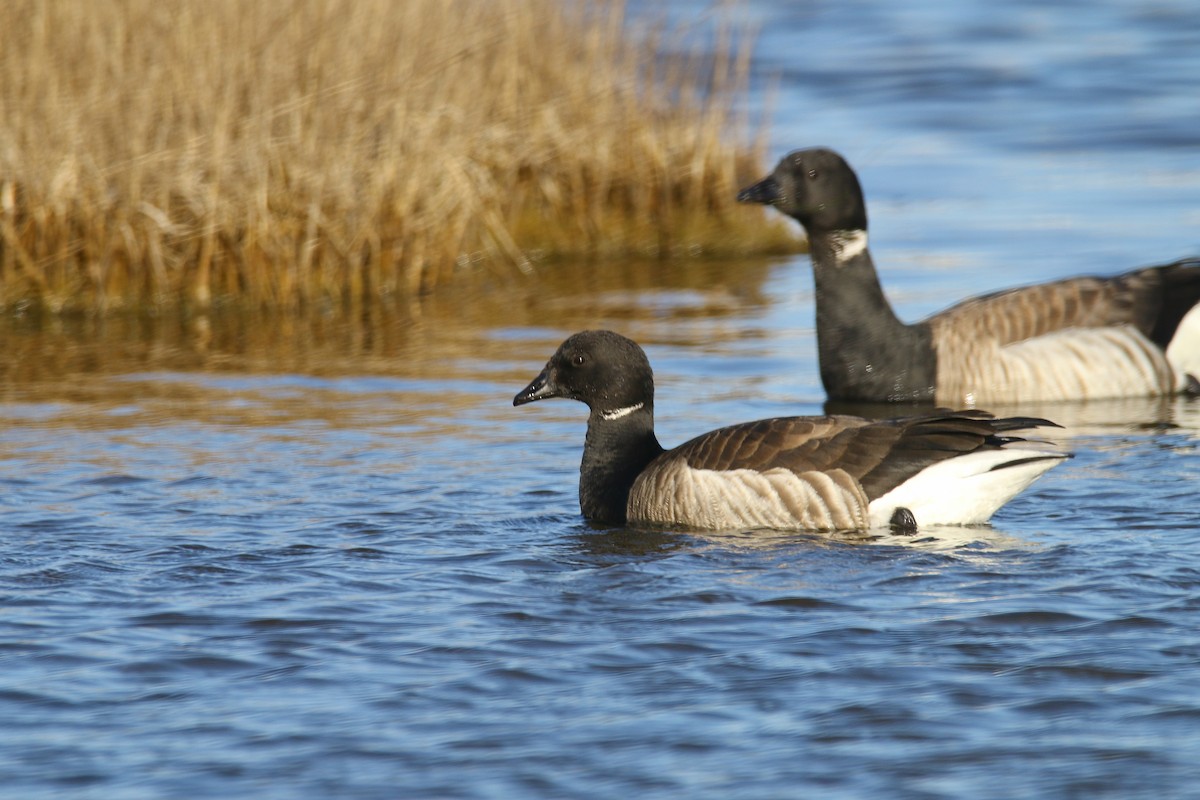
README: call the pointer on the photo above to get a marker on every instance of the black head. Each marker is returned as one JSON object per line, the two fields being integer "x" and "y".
{"x": 603, "y": 369}
{"x": 817, "y": 188}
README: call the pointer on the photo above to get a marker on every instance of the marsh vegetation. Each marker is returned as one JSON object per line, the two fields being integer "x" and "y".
{"x": 342, "y": 152}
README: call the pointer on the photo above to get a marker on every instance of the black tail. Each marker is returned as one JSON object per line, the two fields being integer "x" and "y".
{"x": 1180, "y": 293}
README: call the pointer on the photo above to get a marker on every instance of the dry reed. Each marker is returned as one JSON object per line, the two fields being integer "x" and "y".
{"x": 298, "y": 154}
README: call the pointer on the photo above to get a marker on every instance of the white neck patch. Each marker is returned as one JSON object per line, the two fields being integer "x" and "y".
{"x": 848, "y": 244}
{"x": 617, "y": 413}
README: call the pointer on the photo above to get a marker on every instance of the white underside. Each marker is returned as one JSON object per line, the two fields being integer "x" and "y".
{"x": 1184, "y": 350}
{"x": 1073, "y": 364}
{"x": 966, "y": 490}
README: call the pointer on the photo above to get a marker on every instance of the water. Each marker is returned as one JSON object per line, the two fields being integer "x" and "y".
{"x": 264, "y": 558}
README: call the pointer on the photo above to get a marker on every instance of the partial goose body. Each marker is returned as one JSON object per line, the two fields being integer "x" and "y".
{"x": 1080, "y": 338}
{"x": 1136, "y": 334}
{"x": 793, "y": 473}
{"x": 840, "y": 473}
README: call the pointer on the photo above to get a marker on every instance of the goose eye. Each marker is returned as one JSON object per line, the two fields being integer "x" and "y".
{"x": 812, "y": 173}
{"x": 578, "y": 359}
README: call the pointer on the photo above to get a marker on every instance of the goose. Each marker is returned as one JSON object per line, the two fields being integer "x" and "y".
{"x": 825, "y": 473}
{"x": 1130, "y": 335}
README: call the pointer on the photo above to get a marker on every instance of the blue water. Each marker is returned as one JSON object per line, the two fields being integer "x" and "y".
{"x": 254, "y": 558}
{"x": 999, "y": 144}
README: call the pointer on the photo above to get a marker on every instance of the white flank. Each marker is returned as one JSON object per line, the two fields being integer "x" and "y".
{"x": 1184, "y": 350}
{"x": 1073, "y": 364}
{"x": 617, "y": 413}
{"x": 965, "y": 490}
{"x": 848, "y": 244}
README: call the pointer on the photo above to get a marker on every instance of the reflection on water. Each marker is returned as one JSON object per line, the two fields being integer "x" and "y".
{"x": 464, "y": 323}
{"x": 418, "y": 368}
{"x": 962, "y": 539}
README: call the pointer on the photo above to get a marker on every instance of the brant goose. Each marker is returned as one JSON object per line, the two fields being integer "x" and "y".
{"x": 1074, "y": 339}
{"x": 793, "y": 473}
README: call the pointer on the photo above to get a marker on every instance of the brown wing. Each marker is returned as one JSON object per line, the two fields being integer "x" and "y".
{"x": 879, "y": 455}
{"x": 1153, "y": 300}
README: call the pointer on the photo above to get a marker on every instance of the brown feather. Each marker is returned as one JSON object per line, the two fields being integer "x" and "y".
{"x": 1152, "y": 300}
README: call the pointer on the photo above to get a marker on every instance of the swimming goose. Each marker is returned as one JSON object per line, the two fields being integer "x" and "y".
{"x": 793, "y": 473}
{"x": 1136, "y": 334}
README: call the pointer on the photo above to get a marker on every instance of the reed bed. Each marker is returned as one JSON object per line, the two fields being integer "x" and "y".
{"x": 292, "y": 155}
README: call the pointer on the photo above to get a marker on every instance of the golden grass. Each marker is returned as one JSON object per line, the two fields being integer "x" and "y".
{"x": 298, "y": 154}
